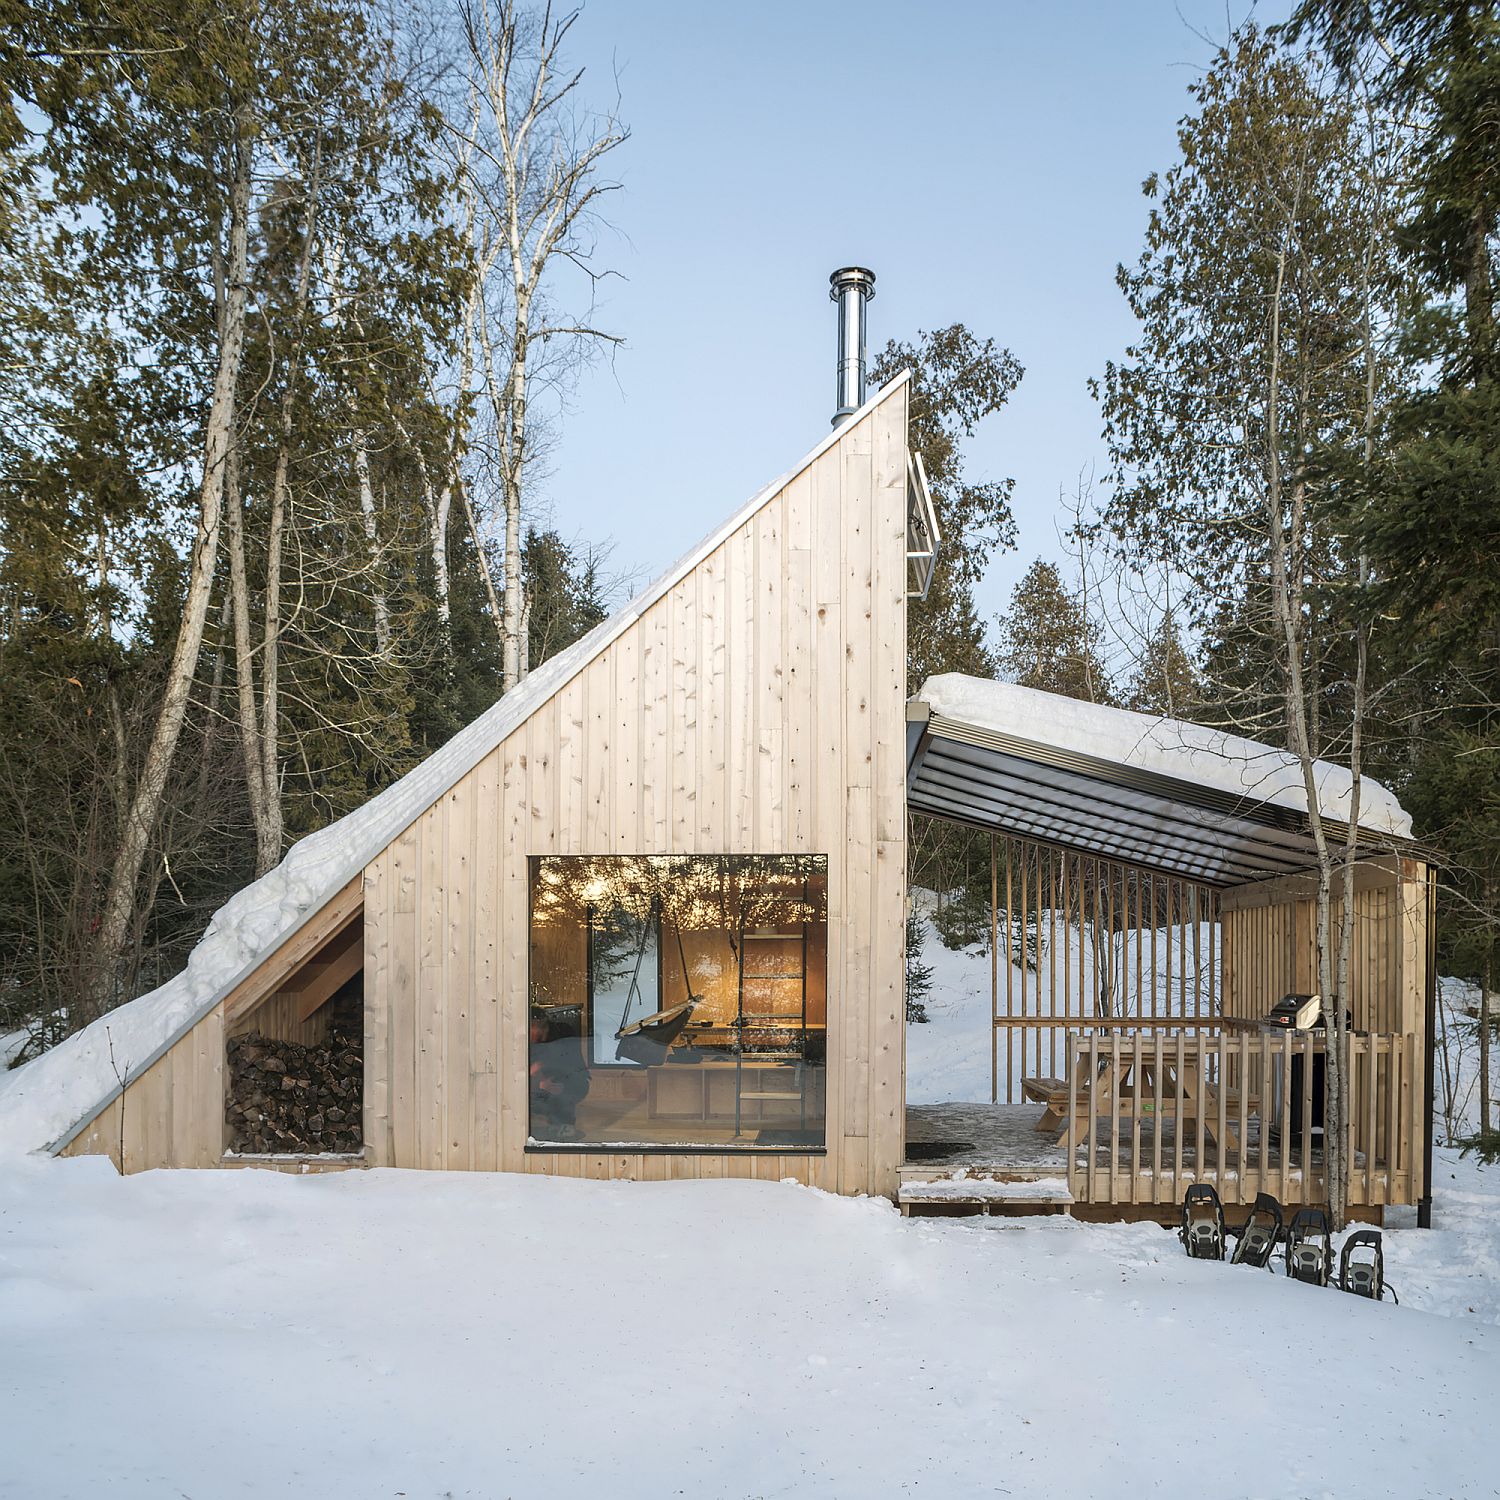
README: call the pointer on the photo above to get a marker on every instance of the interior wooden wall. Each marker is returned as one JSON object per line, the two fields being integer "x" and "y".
{"x": 1269, "y": 933}
{"x": 757, "y": 707}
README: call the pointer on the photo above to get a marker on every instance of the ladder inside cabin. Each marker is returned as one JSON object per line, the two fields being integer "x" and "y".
{"x": 757, "y": 1008}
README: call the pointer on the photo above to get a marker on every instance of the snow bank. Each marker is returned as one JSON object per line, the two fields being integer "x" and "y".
{"x": 1170, "y": 747}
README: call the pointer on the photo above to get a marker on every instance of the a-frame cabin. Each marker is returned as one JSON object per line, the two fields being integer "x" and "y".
{"x": 707, "y": 791}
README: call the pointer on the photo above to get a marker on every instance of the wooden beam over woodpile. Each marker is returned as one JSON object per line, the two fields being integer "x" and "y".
{"x": 333, "y": 968}
{"x": 335, "y": 917}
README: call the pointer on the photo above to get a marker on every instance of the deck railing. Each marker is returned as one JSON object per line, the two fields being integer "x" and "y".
{"x": 1151, "y": 1112}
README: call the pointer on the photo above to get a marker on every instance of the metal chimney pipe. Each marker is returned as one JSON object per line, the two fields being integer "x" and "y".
{"x": 851, "y": 287}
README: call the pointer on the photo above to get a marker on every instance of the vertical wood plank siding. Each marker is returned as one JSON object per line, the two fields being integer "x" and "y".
{"x": 758, "y": 706}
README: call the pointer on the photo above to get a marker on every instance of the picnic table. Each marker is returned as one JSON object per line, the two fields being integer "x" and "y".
{"x": 1130, "y": 1096}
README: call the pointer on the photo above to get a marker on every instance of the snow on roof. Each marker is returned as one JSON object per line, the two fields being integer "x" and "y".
{"x": 1170, "y": 747}
{"x": 51, "y": 1099}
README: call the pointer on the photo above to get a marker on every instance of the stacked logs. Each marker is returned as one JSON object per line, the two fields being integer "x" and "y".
{"x": 288, "y": 1098}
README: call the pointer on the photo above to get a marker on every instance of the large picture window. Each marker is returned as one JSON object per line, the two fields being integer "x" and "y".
{"x": 679, "y": 1001}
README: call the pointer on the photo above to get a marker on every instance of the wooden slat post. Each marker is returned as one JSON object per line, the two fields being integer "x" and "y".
{"x": 1093, "y": 1108}
{"x": 1392, "y": 1121}
{"x": 1308, "y": 1063}
{"x": 1242, "y": 1143}
{"x": 1221, "y": 1093}
{"x": 1052, "y": 861}
{"x": 1114, "y": 1111}
{"x": 1010, "y": 968}
{"x": 1200, "y": 1066}
{"x": 1158, "y": 1067}
{"x": 1285, "y": 1135}
{"x": 1074, "y": 1058}
{"x": 995, "y": 970}
{"x": 1177, "y": 1117}
{"x": 1137, "y": 1100}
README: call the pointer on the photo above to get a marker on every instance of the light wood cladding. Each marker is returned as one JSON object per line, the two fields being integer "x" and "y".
{"x": 172, "y": 1115}
{"x": 1270, "y": 950}
{"x": 757, "y": 707}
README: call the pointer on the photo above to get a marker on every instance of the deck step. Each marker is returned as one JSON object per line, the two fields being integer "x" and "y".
{"x": 1039, "y": 1191}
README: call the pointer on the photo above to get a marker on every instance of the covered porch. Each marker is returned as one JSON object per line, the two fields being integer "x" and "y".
{"x": 1150, "y": 902}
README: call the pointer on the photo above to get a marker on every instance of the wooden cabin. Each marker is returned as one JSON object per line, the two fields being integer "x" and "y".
{"x": 645, "y": 918}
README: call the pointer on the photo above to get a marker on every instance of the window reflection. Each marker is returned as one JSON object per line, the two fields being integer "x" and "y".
{"x": 679, "y": 1000}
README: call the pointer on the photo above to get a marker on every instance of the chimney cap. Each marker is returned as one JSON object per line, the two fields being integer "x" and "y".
{"x": 856, "y": 278}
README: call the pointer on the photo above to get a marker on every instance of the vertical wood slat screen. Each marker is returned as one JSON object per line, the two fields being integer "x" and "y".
{"x": 1145, "y": 1142}
{"x": 1084, "y": 943}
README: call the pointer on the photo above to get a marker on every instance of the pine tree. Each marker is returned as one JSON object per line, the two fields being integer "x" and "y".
{"x": 564, "y": 594}
{"x": 1432, "y": 523}
{"x": 957, "y": 381}
{"x": 918, "y": 971}
{"x": 1243, "y": 422}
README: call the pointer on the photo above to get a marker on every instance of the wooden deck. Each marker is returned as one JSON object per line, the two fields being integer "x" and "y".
{"x": 1150, "y": 1115}
{"x": 980, "y": 1138}
{"x": 981, "y": 1158}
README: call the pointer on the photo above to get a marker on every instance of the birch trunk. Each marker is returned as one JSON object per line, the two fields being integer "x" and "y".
{"x": 372, "y": 542}
{"x": 270, "y": 829}
{"x": 124, "y": 883}
{"x": 512, "y": 461}
{"x": 483, "y": 561}
{"x": 244, "y": 659}
{"x": 1286, "y": 538}
{"x": 543, "y": 192}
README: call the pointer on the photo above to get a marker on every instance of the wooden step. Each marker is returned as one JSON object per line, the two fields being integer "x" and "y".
{"x": 985, "y": 1193}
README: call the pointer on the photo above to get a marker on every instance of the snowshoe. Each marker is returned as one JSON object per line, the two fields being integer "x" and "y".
{"x": 1362, "y": 1265}
{"x": 1202, "y": 1231}
{"x": 1259, "y": 1234}
{"x": 1309, "y": 1250}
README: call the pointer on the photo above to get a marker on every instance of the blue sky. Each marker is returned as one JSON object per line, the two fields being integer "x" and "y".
{"x": 984, "y": 159}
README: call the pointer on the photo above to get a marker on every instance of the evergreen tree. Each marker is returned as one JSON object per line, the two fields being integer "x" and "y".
{"x": 1432, "y": 523}
{"x": 1243, "y": 423}
{"x": 1165, "y": 680}
{"x": 564, "y": 594}
{"x": 918, "y": 971}
{"x": 957, "y": 381}
{"x": 237, "y": 592}
{"x": 1048, "y": 641}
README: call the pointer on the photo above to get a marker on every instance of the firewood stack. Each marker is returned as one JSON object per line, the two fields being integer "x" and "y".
{"x": 288, "y": 1098}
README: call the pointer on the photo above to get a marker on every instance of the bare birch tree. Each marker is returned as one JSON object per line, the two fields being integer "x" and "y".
{"x": 1241, "y": 424}
{"x": 145, "y": 805}
{"x": 531, "y": 157}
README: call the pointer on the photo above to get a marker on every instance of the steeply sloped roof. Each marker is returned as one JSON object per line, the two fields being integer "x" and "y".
{"x": 51, "y": 1100}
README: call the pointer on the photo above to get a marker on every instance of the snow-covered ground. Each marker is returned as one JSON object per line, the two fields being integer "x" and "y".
{"x": 372, "y": 1334}
{"x": 399, "y": 1333}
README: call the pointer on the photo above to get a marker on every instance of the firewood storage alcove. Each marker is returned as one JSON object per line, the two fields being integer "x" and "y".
{"x": 294, "y": 1058}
